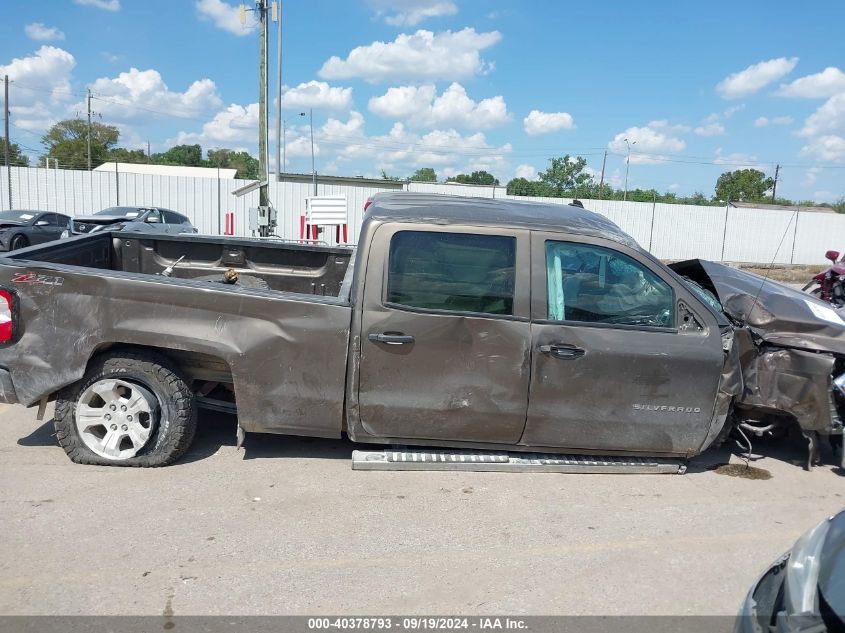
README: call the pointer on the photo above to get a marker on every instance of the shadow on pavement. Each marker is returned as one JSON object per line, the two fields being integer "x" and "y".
{"x": 44, "y": 435}
{"x": 216, "y": 430}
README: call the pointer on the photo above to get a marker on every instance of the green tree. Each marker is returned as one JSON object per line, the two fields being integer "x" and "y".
{"x": 566, "y": 175}
{"x": 124, "y": 155}
{"x": 743, "y": 185}
{"x": 66, "y": 142}
{"x": 246, "y": 165}
{"x": 16, "y": 158}
{"x": 386, "y": 176}
{"x": 525, "y": 187}
{"x": 424, "y": 174}
{"x": 184, "y": 155}
{"x": 475, "y": 178}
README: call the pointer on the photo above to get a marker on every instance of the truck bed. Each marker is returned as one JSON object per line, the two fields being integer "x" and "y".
{"x": 260, "y": 264}
{"x": 276, "y": 340}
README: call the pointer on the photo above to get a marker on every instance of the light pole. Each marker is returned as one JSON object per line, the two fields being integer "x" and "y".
{"x": 627, "y": 164}
{"x": 311, "y": 123}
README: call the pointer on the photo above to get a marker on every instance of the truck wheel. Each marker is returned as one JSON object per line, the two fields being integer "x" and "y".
{"x": 130, "y": 409}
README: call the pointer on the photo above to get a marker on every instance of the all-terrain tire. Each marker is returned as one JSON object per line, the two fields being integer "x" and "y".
{"x": 177, "y": 419}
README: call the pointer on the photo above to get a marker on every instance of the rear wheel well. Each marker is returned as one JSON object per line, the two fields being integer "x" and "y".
{"x": 198, "y": 368}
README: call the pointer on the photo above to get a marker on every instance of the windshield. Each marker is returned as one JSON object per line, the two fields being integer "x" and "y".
{"x": 704, "y": 294}
{"x": 123, "y": 212}
{"x": 17, "y": 216}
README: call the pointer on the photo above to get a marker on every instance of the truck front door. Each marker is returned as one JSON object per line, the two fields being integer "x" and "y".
{"x": 624, "y": 357}
{"x": 445, "y": 334}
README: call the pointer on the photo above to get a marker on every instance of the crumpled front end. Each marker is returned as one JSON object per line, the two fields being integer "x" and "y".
{"x": 789, "y": 354}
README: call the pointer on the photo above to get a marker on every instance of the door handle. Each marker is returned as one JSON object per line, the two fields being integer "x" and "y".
{"x": 391, "y": 338}
{"x": 564, "y": 351}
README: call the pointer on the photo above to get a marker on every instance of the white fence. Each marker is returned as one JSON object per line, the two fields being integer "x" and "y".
{"x": 670, "y": 231}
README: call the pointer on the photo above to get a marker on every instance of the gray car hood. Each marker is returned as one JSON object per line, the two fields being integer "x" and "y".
{"x": 781, "y": 315}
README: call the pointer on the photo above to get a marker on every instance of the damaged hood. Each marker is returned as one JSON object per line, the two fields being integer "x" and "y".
{"x": 781, "y": 316}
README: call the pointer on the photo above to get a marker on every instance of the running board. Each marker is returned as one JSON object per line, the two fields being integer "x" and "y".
{"x": 488, "y": 461}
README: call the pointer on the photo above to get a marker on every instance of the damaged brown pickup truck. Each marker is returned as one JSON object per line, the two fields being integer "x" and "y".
{"x": 458, "y": 322}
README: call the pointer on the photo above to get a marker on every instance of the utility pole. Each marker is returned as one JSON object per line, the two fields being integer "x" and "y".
{"x": 6, "y": 126}
{"x": 89, "y": 129}
{"x": 263, "y": 197}
{"x": 313, "y": 169}
{"x": 601, "y": 182}
{"x": 148, "y": 152}
{"x": 775, "y": 186}
{"x": 277, "y": 16}
{"x": 627, "y": 164}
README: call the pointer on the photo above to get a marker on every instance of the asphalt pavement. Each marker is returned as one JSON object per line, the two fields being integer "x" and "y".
{"x": 286, "y": 527}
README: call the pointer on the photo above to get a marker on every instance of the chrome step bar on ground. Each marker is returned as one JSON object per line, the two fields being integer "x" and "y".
{"x": 488, "y": 461}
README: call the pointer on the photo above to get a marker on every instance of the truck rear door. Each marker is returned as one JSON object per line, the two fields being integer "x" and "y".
{"x": 445, "y": 334}
{"x": 624, "y": 357}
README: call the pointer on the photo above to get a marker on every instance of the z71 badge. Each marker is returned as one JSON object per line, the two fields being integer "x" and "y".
{"x": 32, "y": 278}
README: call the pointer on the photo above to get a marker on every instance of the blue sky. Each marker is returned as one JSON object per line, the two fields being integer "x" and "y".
{"x": 457, "y": 85}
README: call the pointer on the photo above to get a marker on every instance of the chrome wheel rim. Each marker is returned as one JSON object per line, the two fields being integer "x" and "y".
{"x": 116, "y": 418}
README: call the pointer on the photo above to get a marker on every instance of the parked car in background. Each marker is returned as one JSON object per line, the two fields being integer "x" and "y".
{"x": 804, "y": 590}
{"x": 19, "y": 229}
{"x": 140, "y": 219}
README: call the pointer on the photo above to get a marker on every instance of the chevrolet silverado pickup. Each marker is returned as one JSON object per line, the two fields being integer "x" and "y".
{"x": 457, "y": 322}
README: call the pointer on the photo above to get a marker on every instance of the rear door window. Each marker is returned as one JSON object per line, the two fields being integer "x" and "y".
{"x": 452, "y": 272}
{"x": 593, "y": 284}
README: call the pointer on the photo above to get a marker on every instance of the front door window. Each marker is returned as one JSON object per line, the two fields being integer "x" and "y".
{"x": 593, "y": 284}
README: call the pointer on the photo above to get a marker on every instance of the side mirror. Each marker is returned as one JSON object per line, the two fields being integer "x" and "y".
{"x": 46, "y": 223}
{"x": 832, "y": 256}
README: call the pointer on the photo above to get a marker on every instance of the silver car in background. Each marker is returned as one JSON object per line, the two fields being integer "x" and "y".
{"x": 137, "y": 219}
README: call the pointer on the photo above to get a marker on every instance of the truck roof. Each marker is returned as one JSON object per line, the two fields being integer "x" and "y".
{"x": 503, "y": 212}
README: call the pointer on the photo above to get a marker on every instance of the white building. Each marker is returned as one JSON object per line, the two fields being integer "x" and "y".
{"x": 168, "y": 170}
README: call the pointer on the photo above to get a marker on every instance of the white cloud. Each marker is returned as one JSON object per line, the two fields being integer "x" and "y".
{"x": 529, "y": 172}
{"x": 421, "y": 56}
{"x": 738, "y": 160}
{"x": 42, "y": 33}
{"x": 225, "y": 16}
{"x": 827, "y": 83}
{"x": 538, "y": 122}
{"x": 755, "y": 77}
{"x": 345, "y": 145}
{"x": 108, "y": 5}
{"x": 714, "y": 128}
{"x": 829, "y": 147}
{"x": 763, "y": 121}
{"x": 401, "y": 150}
{"x": 235, "y": 127}
{"x": 826, "y": 196}
{"x": 810, "y": 176}
{"x": 142, "y": 94}
{"x": 412, "y": 12}
{"x": 830, "y": 117}
{"x": 652, "y": 141}
{"x": 43, "y": 87}
{"x": 317, "y": 94}
{"x": 422, "y": 106}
